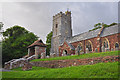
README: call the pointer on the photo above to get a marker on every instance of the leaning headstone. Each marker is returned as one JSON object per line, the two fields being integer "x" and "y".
{"x": 76, "y": 53}
{"x": 64, "y": 54}
{"x": 51, "y": 55}
{"x": 112, "y": 49}
{"x": 116, "y": 48}
{"x": 96, "y": 50}
{"x": 81, "y": 52}
{"x": 103, "y": 49}
{"x": 47, "y": 56}
{"x": 87, "y": 50}
{"x": 106, "y": 49}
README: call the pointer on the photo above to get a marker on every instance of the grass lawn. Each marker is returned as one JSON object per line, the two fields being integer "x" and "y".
{"x": 88, "y": 55}
{"x": 100, "y": 70}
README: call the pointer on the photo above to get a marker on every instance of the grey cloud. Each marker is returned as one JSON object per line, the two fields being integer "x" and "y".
{"x": 37, "y": 16}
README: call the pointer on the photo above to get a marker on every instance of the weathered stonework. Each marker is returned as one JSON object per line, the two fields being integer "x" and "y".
{"x": 61, "y": 30}
{"x": 75, "y": 62}
{"x": 37, "y": 48}
{"x": 100, "y": 40}
{"x": 15, "y": 63}
{"x": 27, "y": 66}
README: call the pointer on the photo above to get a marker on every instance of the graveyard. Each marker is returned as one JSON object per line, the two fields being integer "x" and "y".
{"x": 108, "y": 68}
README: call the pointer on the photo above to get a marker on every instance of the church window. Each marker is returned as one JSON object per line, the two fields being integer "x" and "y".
{"x": 89, "y": 46}
{"x": 116, "y": 45}
{"x": 105, "y": 44}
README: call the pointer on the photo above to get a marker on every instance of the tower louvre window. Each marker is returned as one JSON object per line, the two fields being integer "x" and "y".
{"x": 56, "y": 25}
{"x": 56, "y": 28}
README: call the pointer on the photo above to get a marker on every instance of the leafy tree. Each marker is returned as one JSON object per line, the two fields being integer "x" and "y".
{"x": 16, "y": 40}
{"x": 1, "y": 25}
{"x": 48, "y": 43}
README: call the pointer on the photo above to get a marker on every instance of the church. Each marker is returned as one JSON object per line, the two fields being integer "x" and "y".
{"x": 99, "y": 40}
{"x": 63, "y": 43}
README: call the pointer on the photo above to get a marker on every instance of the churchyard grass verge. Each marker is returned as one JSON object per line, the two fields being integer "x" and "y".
{"x": 88, "y": 55}
{"x": 100, "y": 70}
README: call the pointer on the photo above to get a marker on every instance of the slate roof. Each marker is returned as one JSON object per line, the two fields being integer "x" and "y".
{"x": 37, "y": 43}
{"x": 70, "y": 45}
{"x": 91, "y": 34}
{"x": 84, "y": 36}
{"x": 109, "y": 31}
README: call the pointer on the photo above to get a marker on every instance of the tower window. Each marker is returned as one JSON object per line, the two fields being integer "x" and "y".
{"x": 56, "y": 28}
{"x": 56, "y": 25}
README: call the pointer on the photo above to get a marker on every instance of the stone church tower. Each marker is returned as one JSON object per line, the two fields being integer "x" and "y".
{"x": 61, "y": 30}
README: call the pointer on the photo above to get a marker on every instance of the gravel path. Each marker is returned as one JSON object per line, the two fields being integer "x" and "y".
{"x": 4, "y": 70}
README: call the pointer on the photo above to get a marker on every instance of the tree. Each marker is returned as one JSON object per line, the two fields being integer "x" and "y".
{"x": 48, "y": 43}
{"x": 16, "y": 40}
{"x": 1, "y": 25}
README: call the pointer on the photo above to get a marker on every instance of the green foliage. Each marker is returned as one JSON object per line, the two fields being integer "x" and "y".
{"x": 83, "y": 56}
{"x": 48, "y": 43}
{"x": 95, "y": 28}
{"x": 1, "y": 25}
{"x": 99, "y": 25}
{"x": 16, "y": 41}
{"x": 39, "y": 56}
{"x": 100, "y": 70}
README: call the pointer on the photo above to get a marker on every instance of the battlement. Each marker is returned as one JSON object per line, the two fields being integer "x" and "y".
{"x": 60, "y": 14}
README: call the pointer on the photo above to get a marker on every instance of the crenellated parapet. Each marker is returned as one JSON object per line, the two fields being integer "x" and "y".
{"x": 61, "y": 14}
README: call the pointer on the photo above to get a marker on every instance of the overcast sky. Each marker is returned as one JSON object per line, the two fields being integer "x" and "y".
{"x": 37, "y": 16}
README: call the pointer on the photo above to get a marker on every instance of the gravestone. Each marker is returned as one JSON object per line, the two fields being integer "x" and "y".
{"x": 106, "y": 49}
{"x": 47, "y": 56}
{"x": 103, "y": 49}
{"x": 81, "y": 52}
{"x": 87, "y": 50}
{"x": 54, "y": 55}
{"x": 116, "y": 48}
{"x": 51, "y": 55}
{"x": 112, "y": 49}
{"x": 96, "y": 50}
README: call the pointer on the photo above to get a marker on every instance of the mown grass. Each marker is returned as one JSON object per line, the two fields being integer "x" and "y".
{"x": 88, "y": 55}
{"x": 100, "y": 70}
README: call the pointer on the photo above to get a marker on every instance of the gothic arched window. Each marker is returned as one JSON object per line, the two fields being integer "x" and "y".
{"x": 116, "y": 45}
{"x": 89, "y": 46}
{"x": 105, "y": 44}
{"x": 79, "y": 48}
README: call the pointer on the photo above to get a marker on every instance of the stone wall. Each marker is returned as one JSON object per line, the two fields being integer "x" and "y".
{"x": 75, "y": 62}
{"x": 15, "y": 63}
